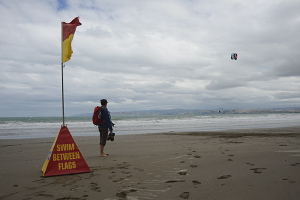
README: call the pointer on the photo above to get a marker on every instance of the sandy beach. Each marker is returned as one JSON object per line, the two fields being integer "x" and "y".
{"x": 241, "y": 164}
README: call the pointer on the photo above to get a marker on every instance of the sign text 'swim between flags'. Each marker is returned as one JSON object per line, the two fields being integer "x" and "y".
{"x": 64, "y": 156}
{"x": 68, "y": 31}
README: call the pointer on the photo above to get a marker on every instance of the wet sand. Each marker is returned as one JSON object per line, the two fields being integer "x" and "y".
{"x": 239, "y": 164}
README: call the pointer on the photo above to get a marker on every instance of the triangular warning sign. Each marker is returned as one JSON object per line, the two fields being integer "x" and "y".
{"x": 64, "y": 156}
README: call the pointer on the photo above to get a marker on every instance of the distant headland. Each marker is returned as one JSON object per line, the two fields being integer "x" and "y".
{"x": 198, "y": 112}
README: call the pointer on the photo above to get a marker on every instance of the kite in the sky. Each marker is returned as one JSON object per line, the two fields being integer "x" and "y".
{"x": 233, "y": 56}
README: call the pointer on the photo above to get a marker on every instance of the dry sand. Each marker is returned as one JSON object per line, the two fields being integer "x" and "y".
{"x": 239, "y": 164}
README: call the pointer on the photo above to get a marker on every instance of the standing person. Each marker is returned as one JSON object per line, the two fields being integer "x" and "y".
{"x": 105, "y": 126}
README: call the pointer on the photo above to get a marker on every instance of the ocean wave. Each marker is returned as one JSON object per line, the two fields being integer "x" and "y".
{"x": 81, "y": 126}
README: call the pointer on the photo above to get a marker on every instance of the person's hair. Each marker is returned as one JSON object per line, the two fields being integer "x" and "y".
{"x": 103, "y": 102}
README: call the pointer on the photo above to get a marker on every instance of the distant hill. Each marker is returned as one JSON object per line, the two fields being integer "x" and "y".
{"x": 197, "y": 112}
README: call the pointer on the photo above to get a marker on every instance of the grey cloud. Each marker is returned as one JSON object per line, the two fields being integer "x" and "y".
{"x": 287, "y": 95}
{"x": 220, "y": 85}
{"x": 149, "y": 55}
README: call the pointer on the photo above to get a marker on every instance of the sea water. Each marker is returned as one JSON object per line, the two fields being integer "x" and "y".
{"x": 37, "y": 127}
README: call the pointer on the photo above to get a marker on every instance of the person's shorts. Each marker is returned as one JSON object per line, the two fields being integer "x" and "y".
{"x": 103, "y": 135}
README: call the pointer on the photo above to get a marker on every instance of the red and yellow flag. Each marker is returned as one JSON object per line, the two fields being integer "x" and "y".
{"x": 68, "y": 31}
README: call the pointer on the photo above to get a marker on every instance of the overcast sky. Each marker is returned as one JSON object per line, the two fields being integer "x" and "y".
{"x": 150, "y": 54}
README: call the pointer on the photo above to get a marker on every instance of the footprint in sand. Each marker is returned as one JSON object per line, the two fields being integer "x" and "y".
{"x": 175, "y": 181}
{"x": 258, "y": 170}
{"x": 185, "y": 195}
{"x": 224, "y": 176}
{"x": 182, "y": 172}
{"x": 196, "y": 182}
{"x": 289, "y": 181}
{"x": 250, "y": 164}
{"x": 46, "y": 195}
{"x": 295, "y": 164}
{"x": 118, "y": 180}
{"x": 124, "y": 193}
{"x": 94, "y": 187}
{"x": 123, "y": 172}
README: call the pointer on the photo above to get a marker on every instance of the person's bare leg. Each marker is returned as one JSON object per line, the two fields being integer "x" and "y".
{"x": 102, "y": 151}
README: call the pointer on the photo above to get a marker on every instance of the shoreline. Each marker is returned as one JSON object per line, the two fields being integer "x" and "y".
{"x": 267, "y": 132}
{"x": 246, "y": 164}
{"x": 279, "y": 130}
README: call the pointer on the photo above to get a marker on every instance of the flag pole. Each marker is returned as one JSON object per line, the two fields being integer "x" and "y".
{"x": 62, "y": 91}
{"x": 62, "y": 78}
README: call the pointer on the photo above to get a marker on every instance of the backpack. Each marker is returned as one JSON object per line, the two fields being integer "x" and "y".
{"x": 97, "y": 120}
